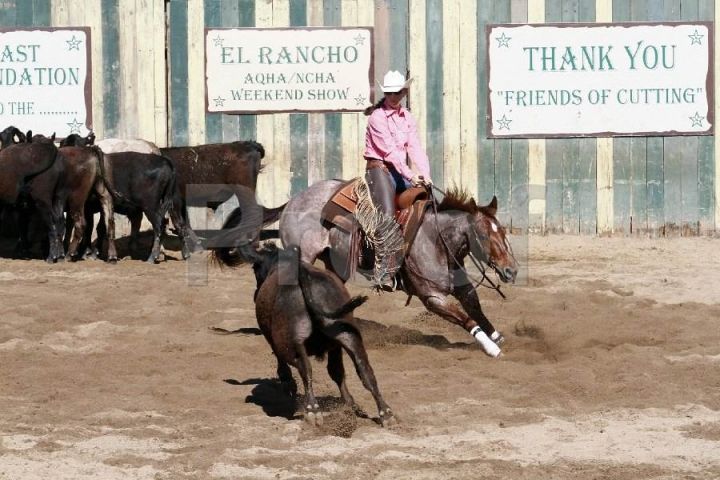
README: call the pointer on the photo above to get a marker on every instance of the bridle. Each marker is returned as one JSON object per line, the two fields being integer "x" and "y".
{"x": 479, "y": 263}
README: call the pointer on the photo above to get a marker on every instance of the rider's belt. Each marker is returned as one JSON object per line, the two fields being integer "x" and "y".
{"x": 375, "y": 163}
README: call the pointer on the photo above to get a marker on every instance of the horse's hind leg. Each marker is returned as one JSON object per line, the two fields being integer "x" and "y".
{"x": 352, "y": 343}
{"x": 311, "y": 410}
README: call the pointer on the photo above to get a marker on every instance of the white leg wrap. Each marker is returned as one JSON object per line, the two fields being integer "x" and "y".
{"x": 494, "y": 335}
{"x": 488, "y": 345}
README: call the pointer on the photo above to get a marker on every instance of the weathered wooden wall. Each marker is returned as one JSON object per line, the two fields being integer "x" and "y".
{"x": 639, "y": 185}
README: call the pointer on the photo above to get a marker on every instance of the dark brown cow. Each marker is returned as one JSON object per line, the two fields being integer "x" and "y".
{"x": 20, "y": 166}
{"x": 304, "y": 311}
{"x": 83, "y": 176}
{"x": 76, "y": 173}
{"x": 208, "y": 175}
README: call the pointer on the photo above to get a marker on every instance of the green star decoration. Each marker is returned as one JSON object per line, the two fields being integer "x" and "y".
{"x": 218, "y": 41}
{"x": 504, "y": 123}
{"x": 696, "y": 38}
{"x": 73, "y": 43}
{"x": 359, "y": 39}
{"x": 74, "y": 126}
{"x": 697, "y": 120}
{"x": 360, "y": 99}
{"x": 503, "y": 40}
{"x": 219, "y": 101}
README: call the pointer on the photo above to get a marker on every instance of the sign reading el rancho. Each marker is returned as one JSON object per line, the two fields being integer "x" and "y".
{"x": 284, "y": 70}
{"x": 599, "y": 79}
{"x": 45, "y": 80}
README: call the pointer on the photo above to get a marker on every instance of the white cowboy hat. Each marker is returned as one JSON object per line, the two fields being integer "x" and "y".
{"x": 394, "y": 81}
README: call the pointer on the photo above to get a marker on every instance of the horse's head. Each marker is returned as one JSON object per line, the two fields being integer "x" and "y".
{"x": 491, "y": 244}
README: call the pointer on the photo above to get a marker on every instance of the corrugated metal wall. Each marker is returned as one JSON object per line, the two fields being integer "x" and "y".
{"x": 656, "y": 185}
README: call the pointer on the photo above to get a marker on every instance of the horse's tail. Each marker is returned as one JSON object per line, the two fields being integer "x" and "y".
{"x": 233, "y": 256}
{"x": 272, "y": 215}
{"x": 233, "y": 245}
{"x": 243, "y": 225}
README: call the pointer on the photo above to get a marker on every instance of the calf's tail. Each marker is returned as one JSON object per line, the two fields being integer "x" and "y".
{"x": 304, "y": 279}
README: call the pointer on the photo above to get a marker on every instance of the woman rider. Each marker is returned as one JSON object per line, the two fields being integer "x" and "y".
{"x": 395, "y": 160}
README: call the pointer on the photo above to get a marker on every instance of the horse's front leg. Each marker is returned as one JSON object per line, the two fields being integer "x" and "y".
{"x": 468, "y": 298}
{"x": 440, "y": 306}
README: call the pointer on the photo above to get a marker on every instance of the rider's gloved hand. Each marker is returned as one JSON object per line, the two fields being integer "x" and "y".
{"x": 421, "y": 181}
{"x": 417, "y": 180}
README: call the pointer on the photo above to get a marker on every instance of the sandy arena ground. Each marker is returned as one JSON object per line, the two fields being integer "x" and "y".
{"x": 611, "y": 370}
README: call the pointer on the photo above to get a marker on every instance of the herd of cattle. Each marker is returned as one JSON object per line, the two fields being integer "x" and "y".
{"x": 67, "y": 184}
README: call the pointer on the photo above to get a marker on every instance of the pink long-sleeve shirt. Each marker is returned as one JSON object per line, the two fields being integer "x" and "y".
{"x": 392, "y": 136}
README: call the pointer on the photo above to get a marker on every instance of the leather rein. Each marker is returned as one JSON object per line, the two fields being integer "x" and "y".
{"x": 479, "y": 263}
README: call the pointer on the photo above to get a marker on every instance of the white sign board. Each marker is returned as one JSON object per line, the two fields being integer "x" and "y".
{"x": 286, "y": 70}
{"x": 45, "y": 81}
{"x": 599, "y": 79}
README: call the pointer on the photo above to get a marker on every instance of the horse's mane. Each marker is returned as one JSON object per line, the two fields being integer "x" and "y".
{"x": 458, "y": 198}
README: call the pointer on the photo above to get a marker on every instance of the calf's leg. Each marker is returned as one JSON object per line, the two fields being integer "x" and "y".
{"x": 352, "y": 343}
{"x": 311, "y": 411}
{"x": 336, "y": 370}
{"x": 286, "y": 379}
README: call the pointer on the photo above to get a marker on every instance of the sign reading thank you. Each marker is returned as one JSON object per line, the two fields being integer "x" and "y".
{"x": 284, "y": 70}
{"x": 599, "y": 79}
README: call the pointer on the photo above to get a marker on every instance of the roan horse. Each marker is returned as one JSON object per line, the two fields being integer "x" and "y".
{"x": 433, "y": 267}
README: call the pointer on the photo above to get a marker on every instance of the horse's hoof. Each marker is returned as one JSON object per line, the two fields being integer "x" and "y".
{"x": 387, "y": 419}
{"x": 112, "y": 260}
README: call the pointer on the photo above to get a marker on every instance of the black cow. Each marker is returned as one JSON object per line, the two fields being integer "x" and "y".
{"x": 75, "y": 140}
{"x": 145, "y": 183}
{"x": 10, "y": 136}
